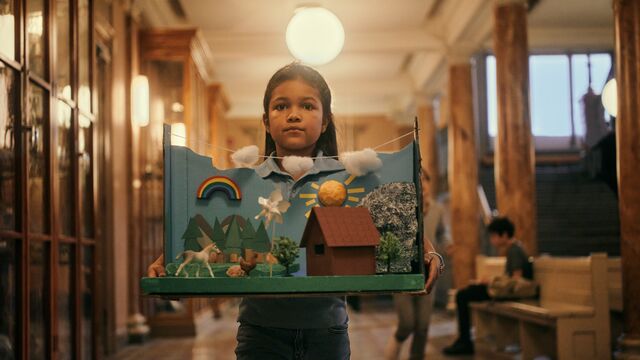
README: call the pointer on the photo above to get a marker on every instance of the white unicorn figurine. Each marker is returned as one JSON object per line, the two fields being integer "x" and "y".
{"x": 201, "y": 256}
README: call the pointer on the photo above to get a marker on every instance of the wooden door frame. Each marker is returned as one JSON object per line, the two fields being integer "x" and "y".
{"x": 106, "y": 309}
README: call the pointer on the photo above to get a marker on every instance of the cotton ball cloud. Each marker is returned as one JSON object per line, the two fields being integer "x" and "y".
{"x": 297, "y": 165}
{"x": 245, "y": 157}
{"x": 361, "y": 162}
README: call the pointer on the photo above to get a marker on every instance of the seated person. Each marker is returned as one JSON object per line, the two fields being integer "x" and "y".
{"x": 501, "y": 231}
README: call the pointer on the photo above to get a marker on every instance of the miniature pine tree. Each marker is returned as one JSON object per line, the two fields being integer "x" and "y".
{"x": 218, "y": 235}
{"x": 286, "y": 251}
{"x": 233, "y": 240}
{"x": 205, "y": 231}
{"x": 262, "y": 242}
{"x": 248, "y": 236}
{"x": 191, "y": 235}
{"x": 389, "y": 249}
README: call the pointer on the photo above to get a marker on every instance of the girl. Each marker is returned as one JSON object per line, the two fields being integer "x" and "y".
{"x": 298, "y": 121}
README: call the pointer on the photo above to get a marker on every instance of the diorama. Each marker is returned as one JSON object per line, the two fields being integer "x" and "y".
{"x": 346, "y": 231}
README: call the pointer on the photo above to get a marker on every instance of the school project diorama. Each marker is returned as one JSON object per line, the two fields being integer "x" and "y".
{"x": 351, "y": 226}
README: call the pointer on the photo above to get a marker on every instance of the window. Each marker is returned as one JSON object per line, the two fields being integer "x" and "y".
{"x": 600, "y": 68}
{"x": 47, "y": 166}
{"x": 557, "y": 84}
{"x": 319, "y": 249}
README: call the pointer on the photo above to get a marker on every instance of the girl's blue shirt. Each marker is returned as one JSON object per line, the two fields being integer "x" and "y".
{"x": 321, "y": 166}
{"x": 295, "y": 313}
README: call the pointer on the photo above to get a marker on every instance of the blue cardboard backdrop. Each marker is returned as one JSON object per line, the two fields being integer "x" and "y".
{"x": 185, "y": 170}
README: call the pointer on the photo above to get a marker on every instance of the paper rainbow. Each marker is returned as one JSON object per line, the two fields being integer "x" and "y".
{"x": 219, "y": 183}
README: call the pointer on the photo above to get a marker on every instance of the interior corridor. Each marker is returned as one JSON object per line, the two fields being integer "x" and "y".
{"x": 369, "y": 331}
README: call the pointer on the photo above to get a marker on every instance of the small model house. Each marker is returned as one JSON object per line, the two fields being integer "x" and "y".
{"x": 340, "y": 241}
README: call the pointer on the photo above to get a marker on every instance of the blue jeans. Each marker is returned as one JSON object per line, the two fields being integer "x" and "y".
{"x": 414, "y": 313}
{"x": 257, "y": 342}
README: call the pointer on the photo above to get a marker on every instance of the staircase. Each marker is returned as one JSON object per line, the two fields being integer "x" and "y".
{"x": 576, "y": 215}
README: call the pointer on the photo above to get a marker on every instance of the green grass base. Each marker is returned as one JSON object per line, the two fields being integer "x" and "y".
{"x": 281, "y": 286}
{"x": 220, "y": 270}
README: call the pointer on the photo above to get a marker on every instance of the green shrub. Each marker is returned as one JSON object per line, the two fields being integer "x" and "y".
{"x": 286, "y": 251}
{"x": 389, "y": 249}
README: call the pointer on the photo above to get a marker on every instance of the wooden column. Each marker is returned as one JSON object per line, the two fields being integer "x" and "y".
{"x": 627, "y": 48}
{"x": 514, "y": 151}
{"x": 218, "y": 106}
{"x": 136, "y": 268}
{"x": 428, "y": 147}
{"x": 463, "y": 174}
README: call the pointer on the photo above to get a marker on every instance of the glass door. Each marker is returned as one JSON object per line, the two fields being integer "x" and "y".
{"x": 47, "y": 215}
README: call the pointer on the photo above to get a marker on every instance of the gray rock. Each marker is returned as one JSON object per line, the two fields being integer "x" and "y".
{"x": 393, "y": 209}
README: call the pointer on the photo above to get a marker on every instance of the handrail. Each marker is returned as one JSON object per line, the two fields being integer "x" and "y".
{"x": 487, "y": 214}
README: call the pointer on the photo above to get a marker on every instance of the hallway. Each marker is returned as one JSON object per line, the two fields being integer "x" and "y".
{"x": 131, "y": 127}
{"x": 369, "y": 331}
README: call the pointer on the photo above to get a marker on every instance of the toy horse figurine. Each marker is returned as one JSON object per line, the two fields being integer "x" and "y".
{"x": 200, "y": 257}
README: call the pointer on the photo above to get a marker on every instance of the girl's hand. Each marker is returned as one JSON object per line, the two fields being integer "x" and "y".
{"x": 432, "y": 264}
{"x": 156, "y": 269}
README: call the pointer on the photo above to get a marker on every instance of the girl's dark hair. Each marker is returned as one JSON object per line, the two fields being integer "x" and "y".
{"x": 501, "y": 225}
{"x": 327, "y": 141}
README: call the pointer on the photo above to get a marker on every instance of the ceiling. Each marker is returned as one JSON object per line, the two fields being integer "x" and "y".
{"x": 394, "y": 50}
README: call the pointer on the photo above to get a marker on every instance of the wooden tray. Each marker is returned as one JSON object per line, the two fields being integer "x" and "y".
{"x": 175, "y": 287}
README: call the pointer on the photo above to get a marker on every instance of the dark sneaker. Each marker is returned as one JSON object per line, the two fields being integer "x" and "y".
{"x": 460, "y": 347}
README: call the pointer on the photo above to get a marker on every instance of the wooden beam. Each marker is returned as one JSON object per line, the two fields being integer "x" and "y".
{"x": 365, "y": 96}
{"x": 570, "y": 39}
{"x": 627, "y": 34}
{"x": 428, "y": 148}
{"x": 464, "y": 19}
{"x": 225, "y": 46}
{"x": 515, "y": 156}
{"x": 463, "y": 174}
{"x": 178, "y": 44}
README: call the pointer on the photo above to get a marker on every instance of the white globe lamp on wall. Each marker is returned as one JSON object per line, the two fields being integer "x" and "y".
{"x": 139, "y": 100}
{"x": 610, "y": 97}
{"x": 315, "y": 35}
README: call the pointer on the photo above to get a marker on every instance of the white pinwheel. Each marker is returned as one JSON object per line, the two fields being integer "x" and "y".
{"x": 273, "y": 208}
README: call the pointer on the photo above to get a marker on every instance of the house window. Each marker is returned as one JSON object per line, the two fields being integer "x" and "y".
{"x": 557, "y": 85}
{"x": 319, "y": 249}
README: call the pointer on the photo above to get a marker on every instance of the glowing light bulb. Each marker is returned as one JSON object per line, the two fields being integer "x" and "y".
{"x": 140, "y": 100}
{"x": 315, "y": 35}
{"x": 610, "y": 97}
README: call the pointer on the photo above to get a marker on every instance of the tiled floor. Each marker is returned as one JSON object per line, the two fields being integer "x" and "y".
{"x": 369, "y": 331}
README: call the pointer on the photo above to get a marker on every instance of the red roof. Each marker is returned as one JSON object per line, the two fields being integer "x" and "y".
{"x": 343, "y": 227}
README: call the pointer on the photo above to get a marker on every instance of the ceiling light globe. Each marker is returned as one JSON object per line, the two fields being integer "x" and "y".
{"x": 610, "y": 97}
{"x": 315, "y": 36}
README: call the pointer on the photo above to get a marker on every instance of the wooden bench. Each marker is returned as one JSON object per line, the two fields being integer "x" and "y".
{"x": 486, "y": 268}
{"x": 569, "y": 321}
{"x": 490, "y": 266}
{"x": 614, "y": 280}
{"x": 615, "y": 298}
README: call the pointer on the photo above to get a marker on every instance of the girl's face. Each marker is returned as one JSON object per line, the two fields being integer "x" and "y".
{"x": 295, "y": 119}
